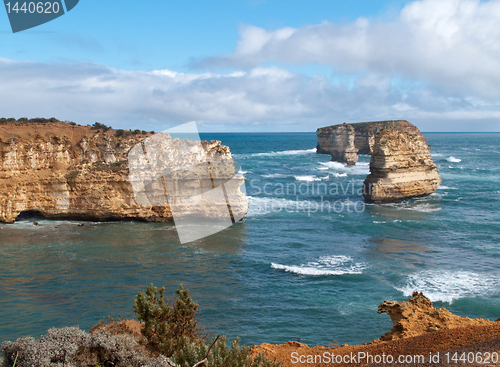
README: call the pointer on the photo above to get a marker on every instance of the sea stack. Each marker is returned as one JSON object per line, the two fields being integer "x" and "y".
{"x": 67, "y": 171}
{"x": 400, "y": 167}
{"x": 364, "y": 136}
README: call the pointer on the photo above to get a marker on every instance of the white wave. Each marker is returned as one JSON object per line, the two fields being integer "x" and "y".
{"x": 360, "y": 168}
{"x": 447, "y": 286}
{"x": 336, "y": 174}
{"x": 333, "y": 165}
{"x": 452, "y": 159}
{"x": 275, "y": 175}
{"x": 242, "y": 172}
{"x": 310, "y": 178}
{"x": 436, "y": 155}
{"x": 284, "y": 152}
{"x": 423, "y": 208}
{"x": 443, "y": 187}
{"x": 325, "y": 265}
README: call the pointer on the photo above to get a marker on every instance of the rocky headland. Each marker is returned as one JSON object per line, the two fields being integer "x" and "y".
{"x": 419, "y": 329}
{"x": 66, "y": 171}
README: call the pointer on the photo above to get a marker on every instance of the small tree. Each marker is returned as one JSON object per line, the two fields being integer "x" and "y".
{"x": 167, "y": 327}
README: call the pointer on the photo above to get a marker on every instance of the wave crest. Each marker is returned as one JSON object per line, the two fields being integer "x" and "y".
{"x": 325, "y": 265}
{"x": 447, "y": 286}
{"x": 452, "y": 159}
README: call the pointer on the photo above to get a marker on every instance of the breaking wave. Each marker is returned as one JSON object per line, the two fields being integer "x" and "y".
{"x": 360, "y": 168}
{"x": 325, "y": 265}
{"x": 284, "y": 152}
{"x": 447, "y": 286}
{"x": 452, "y": 159}
{"x": 310, "y": 178}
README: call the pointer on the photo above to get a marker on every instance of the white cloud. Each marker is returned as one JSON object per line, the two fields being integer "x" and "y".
{"x": 262, "y": 98}
{"x": 451, "y": 44}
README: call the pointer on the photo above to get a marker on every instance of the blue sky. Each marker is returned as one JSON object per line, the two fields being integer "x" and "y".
{"x": 257, "y": 65}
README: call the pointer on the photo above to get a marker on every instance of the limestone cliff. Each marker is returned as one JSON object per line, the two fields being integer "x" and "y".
{"x": 64, "y": 170}
{"x": 341, "y": 144}
{"x": 418, "y": 316}
{"x": 364, "y": 134}
{"x": 400, "y": 167}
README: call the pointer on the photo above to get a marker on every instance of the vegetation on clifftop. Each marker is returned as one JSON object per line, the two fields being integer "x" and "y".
{"x": 170, "y": 337}
{"x": 96, "y": 126}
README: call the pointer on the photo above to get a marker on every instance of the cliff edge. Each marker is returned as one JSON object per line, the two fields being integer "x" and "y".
{"x": 68, "y": 171}
{"x": 418, "y": 316}
{"x": 420, "y": 332}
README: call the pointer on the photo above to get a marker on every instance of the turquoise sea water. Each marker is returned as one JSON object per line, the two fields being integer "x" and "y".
{"x": 311, "y": 264}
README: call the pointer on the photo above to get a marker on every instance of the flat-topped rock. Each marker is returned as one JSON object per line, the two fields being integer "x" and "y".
{"x": 364, "y": 134}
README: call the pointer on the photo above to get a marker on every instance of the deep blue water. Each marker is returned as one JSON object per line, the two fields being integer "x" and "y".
{"x": 312, "y": 264}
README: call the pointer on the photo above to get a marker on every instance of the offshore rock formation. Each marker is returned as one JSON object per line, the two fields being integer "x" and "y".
{"x": 400, "y": 167}
{"x": 418, "y": 316}
{"x": 68, "y": 171}
{"x": 364, "y": 134}
{"x": 341, "y": 144}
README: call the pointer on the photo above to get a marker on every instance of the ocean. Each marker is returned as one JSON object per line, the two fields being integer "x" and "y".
{"x": 311, "y": 261}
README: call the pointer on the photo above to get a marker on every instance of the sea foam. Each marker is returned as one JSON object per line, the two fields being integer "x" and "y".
{"x": 447, "y": 286}
{"x": 452, "y": 159}
{"x": 325, "y": 265}
{"x": 284, "y": 152}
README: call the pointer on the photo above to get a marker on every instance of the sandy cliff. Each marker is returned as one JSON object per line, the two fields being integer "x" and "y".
{"x": 400, "y": 167}
{"x": 71, "y": 171}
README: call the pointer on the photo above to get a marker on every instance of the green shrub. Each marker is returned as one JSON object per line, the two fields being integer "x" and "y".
{"x": 167, "y": 327}
{"x": 172, "y": 330}
{"x": 218, "y": 355}
{"x": 98, "y": 125}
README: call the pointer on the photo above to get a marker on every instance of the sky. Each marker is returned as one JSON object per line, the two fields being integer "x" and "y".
{"x": 258, "y": 65}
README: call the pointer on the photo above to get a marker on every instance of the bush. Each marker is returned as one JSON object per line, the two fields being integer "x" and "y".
{"x": 98, "y": 125}
{"x": 74, "y": 347}
{"x": 172, "y": 330}
{"x": 167, "y": 327}
{"x": 218, "y": 355}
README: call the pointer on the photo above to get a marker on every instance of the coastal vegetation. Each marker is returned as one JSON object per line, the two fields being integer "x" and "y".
{"x": 170, "y": 336}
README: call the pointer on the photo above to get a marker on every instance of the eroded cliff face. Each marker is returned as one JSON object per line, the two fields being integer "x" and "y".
{"x": 364, "y": 134}
{"x": 400, "y": 167}
{"x": 65, "y": 171}
{"x": 341, "y": 144}
{"x": 418, "y": 316}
